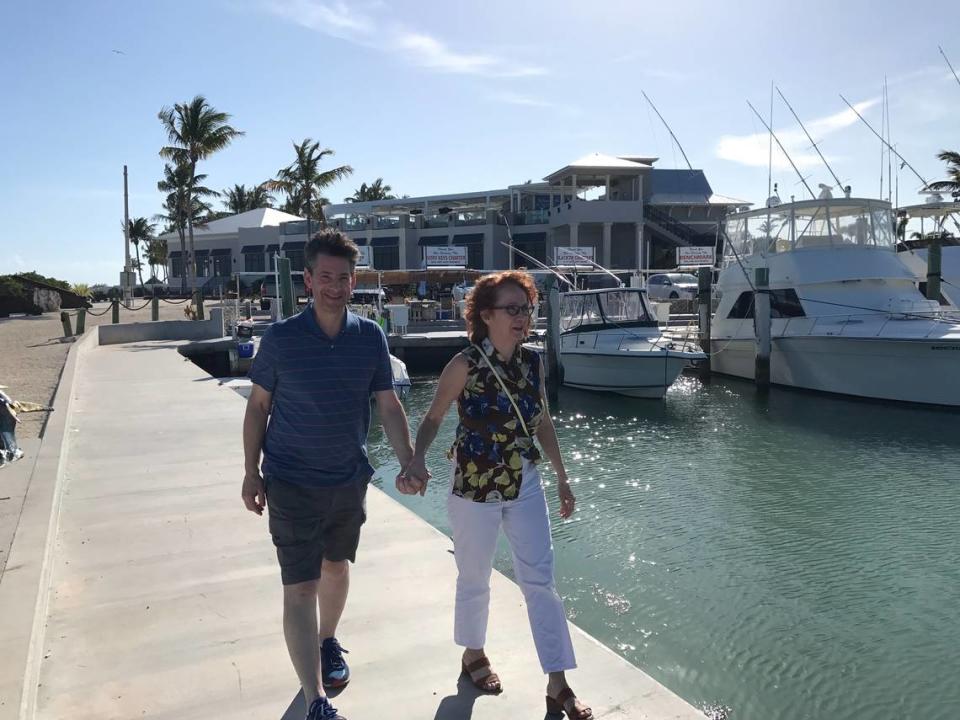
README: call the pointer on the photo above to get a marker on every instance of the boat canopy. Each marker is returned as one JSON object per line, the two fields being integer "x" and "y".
{"x": 616, "y": 307}
{"x": 822, "y": 223}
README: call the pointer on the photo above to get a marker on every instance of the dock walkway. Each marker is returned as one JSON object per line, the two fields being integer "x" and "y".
{"x": 165, "y": 598}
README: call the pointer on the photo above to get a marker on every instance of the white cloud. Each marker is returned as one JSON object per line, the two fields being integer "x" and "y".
{"x": 338, "y": 20}
{"x": 523, "y": 100}
{"x": 334, "y": 19}
{"x": 752, "y": 150}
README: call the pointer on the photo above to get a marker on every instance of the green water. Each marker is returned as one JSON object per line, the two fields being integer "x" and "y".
{"x": 794, "y": 556}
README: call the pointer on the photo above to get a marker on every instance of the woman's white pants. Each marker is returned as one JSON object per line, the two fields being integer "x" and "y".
{"x": 526, "y": 523}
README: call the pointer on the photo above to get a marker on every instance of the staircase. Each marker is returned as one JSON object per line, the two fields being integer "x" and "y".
{"x": 664, "y": 224}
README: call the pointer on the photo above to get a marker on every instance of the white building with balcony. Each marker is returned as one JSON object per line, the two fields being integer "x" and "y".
{"x": 632, "y": 214}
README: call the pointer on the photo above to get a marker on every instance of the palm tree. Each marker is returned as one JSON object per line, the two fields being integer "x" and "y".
{"x": 140, "y": 230}
{"x": 195, "y": 130}
{"x": 951, "y": 185}
{"x": 239, "y": 199}
{"x": 176, "y": 181}
{"x": 303, "y": 181}
{"x": 156, "y": 252}
{"x": 374, "y": 191}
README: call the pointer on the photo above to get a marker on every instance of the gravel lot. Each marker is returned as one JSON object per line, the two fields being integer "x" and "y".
{"x": 32, "y": 356}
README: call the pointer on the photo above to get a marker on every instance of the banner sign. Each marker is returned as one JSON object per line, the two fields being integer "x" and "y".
{"x": 574, "y": 256}
{"x": 445, "y": 256}
{"x": 364, "y": 261}
{"x": 695, "y": 256}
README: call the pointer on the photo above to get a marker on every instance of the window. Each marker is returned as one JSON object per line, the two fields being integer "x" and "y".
{"x": 475, "y": 256}
{"x": 176, "y": 267}
{"x": 783, "y": 304}
{"x": 743, "y": 307}
{"x": 386, "y": 257}
{"x": 254, "y": 262}
{"x": 222, "y": 265}
{"x": 296, "y": 259}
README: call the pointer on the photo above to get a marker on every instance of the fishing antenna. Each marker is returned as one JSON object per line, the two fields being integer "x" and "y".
{"x": 674, "y": 137}
{"x": 889, "y": 146}
{"x": 812, "y": 142}
{"x": 948, "y": 65}
{"x": 520, "y": 252}
{"x": 783, "y": 149}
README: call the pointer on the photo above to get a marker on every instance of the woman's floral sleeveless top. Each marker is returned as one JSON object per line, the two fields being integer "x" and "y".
{"x": 491, "y": 443}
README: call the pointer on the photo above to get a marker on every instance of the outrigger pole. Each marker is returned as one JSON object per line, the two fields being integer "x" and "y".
{"x": 889, "y": 146}
{"x": 812, "y": 141}
{"x": 783, "y": 149}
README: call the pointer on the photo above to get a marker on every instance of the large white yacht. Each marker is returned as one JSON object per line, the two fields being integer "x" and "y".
{"x": 847, "y": 316}
{"x": 611, "y": 342}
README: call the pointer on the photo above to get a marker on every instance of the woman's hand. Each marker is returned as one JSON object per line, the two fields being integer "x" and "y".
{"x": 567, "y": 500}
{"x": 413, "y": 478}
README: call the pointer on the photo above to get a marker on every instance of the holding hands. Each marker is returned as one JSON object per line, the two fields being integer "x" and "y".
{"x": 414, "y": 477}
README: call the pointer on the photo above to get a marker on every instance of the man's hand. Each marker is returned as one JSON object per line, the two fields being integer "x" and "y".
{"x": 414, "y": 477}
{"x": 254, "y": 493}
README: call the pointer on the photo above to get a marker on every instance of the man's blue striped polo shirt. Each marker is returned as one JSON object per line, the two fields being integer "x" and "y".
{"x": 321, "y": 389}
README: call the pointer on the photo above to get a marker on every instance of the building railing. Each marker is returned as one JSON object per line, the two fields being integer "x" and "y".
{"x": 470, "y": 219}
{"x": 387, "y": 222}
{"x": 436, "y": 221}
{"x": 531, "y": 217}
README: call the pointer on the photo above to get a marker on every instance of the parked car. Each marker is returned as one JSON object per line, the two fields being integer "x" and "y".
{"x": 672, "y": 286}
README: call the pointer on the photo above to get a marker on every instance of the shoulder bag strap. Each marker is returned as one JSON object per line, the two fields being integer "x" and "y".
{"x": 502, "y": 385}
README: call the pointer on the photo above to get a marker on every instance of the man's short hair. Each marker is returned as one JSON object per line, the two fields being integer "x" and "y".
{"x": 332, "y": 243}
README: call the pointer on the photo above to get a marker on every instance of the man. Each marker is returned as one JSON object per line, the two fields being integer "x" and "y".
{"x": 313, "y": 377}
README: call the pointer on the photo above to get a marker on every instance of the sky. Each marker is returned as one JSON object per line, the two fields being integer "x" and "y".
{"x": 441, "y": 97}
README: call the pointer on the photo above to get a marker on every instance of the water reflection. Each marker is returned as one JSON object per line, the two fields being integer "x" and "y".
{"x": 788, "y": 555}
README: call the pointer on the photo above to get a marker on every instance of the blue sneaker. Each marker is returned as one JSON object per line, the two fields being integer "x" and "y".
{"x": 334, "y": 670}
{"x": 321, "y": 709}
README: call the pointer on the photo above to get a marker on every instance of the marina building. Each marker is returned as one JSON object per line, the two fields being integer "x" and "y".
{"x": 621, "y": 210}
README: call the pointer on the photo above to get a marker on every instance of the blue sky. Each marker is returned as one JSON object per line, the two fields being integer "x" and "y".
{"x": 446, "y": 97}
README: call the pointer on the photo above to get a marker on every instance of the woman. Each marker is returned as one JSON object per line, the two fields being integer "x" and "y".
{"x": 500, "y": 400}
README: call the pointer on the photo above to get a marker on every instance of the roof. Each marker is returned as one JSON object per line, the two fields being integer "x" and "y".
{"x": 684, "y": 187}
{"x": 261, "y": 217}
{"x": 602, "y": 164}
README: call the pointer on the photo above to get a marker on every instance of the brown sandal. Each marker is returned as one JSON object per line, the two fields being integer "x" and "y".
{"x": 481, "y": 682}
{"x": 565, "y": 702}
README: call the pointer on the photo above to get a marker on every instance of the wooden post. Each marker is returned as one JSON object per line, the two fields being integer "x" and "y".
{"x": 81, "y": 320}
{"x": 115, "y": 311}
{"x": 65, "y": 320}
{"x": 761, "y": 305}
{"x": 552, "y": 356}
{"x": 934, "y": 264}
{"x": 198, "y": 303}
{"x": 704, "y": 282}
{"x": 155, "y": 308}
{"x": 285, "y": 287}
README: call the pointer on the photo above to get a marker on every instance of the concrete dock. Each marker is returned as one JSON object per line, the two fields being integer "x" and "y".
{"x": 137, "y": 586}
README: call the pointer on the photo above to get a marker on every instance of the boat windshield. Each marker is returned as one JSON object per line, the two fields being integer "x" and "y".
{"x": 611, "y": 306}
{"x": 810, "y": 224}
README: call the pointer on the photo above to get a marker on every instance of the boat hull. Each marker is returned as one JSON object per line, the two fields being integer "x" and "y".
{"x": 640, "y": 375}
{"x": 906, "y": 370}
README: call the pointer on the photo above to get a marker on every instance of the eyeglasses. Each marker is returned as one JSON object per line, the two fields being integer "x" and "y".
{"x": 514, "y": 310}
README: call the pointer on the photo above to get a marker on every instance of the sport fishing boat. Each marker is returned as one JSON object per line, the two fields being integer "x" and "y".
{"x": 610, "y": 341}
{"x": 846, "y": 314}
